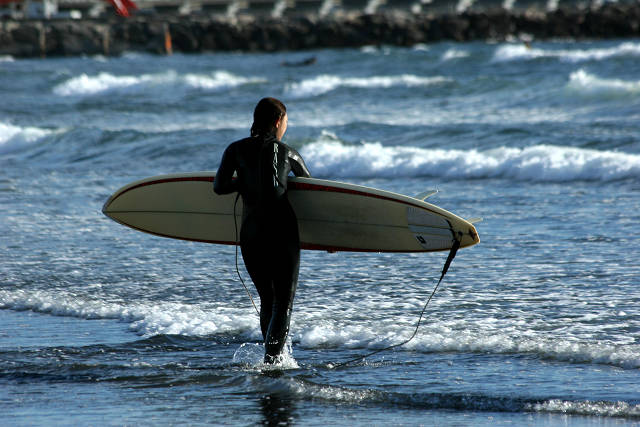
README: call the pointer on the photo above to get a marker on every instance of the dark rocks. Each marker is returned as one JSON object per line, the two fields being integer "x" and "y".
{"x": 72, "y": 38}
{"x": 21, "y": 40}
{"x": 191, "y": 34}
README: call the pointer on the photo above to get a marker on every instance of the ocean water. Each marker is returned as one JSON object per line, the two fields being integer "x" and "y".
{"x": 537, "y": 325}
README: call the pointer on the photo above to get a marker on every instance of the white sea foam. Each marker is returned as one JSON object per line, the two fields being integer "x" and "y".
{"x": 252, "y": 355}
{"x": 376, "y": 50}
{"x": 369, "y": 49}
{"x": 326, "y": 83}
{"x": 220, "y": 80}
{"x": 145, "y": 319}
{"x": 149, "y": 318}
{"x": 452, "y": 54}
{"x": 14, "y": 137}
{"x": 421, "y": 47}
{"x": 499, "y": 340}
{"x": 587, "y": 84}
{"x": 89, "y": 85}
{"x": 84, "y": 84}
{"x": 600, "y": 409}
{"x": 537, "y": 163}
{"x": 6, "y": 58}
{"x": 520, "y": 51}
{"x": 442, "y": 337}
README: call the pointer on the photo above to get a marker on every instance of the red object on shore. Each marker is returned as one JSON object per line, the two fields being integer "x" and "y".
{"x": 9, "y": 1}
{"x": 121, "y": 6}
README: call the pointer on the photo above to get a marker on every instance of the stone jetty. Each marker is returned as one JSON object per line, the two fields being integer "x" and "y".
{"x": 162, "y": 34}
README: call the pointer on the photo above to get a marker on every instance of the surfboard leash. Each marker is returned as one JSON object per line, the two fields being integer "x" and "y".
{"x": 445, "y": 268}
{"x": 452, "y": 254}
{"x": 235, "y": 223}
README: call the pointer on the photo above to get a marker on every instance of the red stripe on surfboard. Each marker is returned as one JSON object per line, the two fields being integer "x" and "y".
{"x": 318, "y": 187}
{"x": 165, "y": 180}
{"x": 292, "y": 186}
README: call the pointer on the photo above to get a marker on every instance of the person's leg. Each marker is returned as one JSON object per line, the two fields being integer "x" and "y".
{"x": 284, "y": 288}
{"x": 259, "y": 271}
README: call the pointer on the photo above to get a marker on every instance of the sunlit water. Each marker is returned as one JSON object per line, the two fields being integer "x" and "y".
{"x": 537, "y": 325}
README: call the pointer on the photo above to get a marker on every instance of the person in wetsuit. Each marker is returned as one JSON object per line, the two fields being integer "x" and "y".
{"x": 269, "y": 237}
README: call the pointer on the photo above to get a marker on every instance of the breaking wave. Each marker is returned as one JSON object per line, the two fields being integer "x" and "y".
{"x": 174, "y": 318}
{"x": 587, "y": 84}
{"x": 86, "y": 85}
{"x": 15, "y": 137}
{"x": 452, "y": 54}
{"x": 517, "y": 52}
{"x": 326, "y": 83}
{"x": 144, "y": 319}
{"x": 540, "y": 163}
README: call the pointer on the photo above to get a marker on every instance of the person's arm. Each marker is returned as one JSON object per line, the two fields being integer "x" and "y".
{"x": 224, "y": 182}
{"x": 298, "y": 166}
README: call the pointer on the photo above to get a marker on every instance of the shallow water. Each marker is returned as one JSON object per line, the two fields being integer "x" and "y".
{"x": 536, "y": 325}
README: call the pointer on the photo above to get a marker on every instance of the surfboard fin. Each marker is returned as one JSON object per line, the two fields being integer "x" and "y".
{"x": 474, "y": 220}
{"x": 425, "y": 195}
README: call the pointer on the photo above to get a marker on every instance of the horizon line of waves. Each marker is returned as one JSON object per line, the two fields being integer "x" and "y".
{"x": 307, "y": 389}
{"x": 325, "y": 83}
{"x": 520, "y": 51}
{"x": 88, "y": 85}
{"x": 586, "y": 84}
{"x": 145, "y": 319}
{"x": 539, "y": 163}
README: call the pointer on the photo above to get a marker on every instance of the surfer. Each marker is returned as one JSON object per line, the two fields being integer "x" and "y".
{"x": 269, "y": 238}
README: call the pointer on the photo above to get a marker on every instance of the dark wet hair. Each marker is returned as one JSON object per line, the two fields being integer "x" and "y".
{"x": 265, "y": 116}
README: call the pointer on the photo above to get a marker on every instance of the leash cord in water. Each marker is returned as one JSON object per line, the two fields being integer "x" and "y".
{"x": 235, "y": 223}
{"x": 445, "y": 268}
{"x": 452, "y": 254}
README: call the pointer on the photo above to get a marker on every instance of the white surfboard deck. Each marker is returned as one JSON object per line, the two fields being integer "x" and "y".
{"x": 332, "y": 216}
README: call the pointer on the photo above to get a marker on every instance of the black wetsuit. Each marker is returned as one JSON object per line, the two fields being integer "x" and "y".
{"x": 269, "y": 235}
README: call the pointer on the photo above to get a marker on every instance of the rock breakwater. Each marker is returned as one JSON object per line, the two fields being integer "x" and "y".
{"x": 191, "y": 34}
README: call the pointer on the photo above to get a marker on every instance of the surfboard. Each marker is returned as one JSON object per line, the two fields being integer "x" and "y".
{"x": 332, "y": 216}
